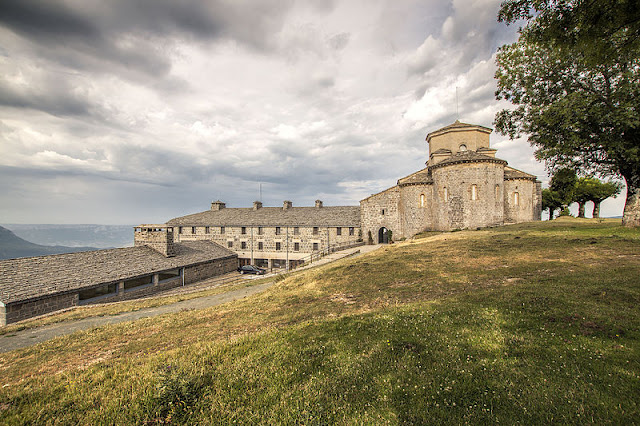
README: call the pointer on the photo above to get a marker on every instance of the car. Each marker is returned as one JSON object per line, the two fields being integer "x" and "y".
{"x": 250, "y": 269}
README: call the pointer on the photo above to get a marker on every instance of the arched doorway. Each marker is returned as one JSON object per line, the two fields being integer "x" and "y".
{"x": 383, "y": 236}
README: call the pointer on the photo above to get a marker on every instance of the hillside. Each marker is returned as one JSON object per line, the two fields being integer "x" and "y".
{"x": 12, "y": 246}
{"x": 533, "y": 323}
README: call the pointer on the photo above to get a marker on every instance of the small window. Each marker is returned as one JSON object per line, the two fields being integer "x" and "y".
{"x": 96, "y": 292}
{"x": 167, "y": 275}
{"x": 244, "y": 230}
{"x": 516, "y": 199}
{"x": 179, "y": 229}
{"x": 474, "y": 192}
{"x": 315, "y": 230}
{"x": 315, "y": 246}
{"x": 445, "y": 194}
{"x": 222, "y": 229}
{"x": 352, "y": 231}
{"x": 296, "y": 246}
{"x": 207, "y": 230}
{"x": 259, "y": 230}
{"x": 278, "y": 246}
{"x": 421, "y": 200}
{"x": 243, "y": 245}
{"x": 463, "y": 148}
{"x": 278, "y": 230}
{"x": 260, "y": 245}
{"x": 193, "y": 229}
{"x": 338, "y": 231}
{"x": 296, "y": 230}
{"x": 382, "y": 212}
{"x": 497, "y": 192}
{"x": 230, "y": 244}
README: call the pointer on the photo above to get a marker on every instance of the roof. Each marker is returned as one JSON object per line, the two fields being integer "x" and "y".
{"x": 468, "y": 157}
{"x": 420, "y": 177}
{"x": 458, "y": 126}
{"x": 511, "y": 173}
{"x": 273, "y": 216}
{"x": 31, "y": 278}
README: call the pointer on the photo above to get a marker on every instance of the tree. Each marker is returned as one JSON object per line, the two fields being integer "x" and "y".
{"x": 550, "y": 201}
{"x": 601, "y": 193}
{"x": 592, "y": 189}
{"x": 563, "y": 185}
{"x": 574, "y": 77}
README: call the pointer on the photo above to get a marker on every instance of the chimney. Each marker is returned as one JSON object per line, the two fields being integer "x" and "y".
{"x": 157, "y": 237}
{"x": 257, "y": 205}
{"x": 217, "y": 205}
{"x": 318, "y": 204}
{"x": 287, "y": 205}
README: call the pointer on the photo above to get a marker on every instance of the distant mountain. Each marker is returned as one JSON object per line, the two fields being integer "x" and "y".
{"x": 12, "y": 246}
{"x": 101, "y": 236}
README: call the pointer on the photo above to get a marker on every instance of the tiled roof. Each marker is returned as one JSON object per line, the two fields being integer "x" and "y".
{"x": 34, "y": 277}
{"x": 420, "y": 177}
{"x": 468, "y": 157}
{"x": 511, "y": 173}
{"x": 273, "y": 216}
{"x": 458, "y": 126}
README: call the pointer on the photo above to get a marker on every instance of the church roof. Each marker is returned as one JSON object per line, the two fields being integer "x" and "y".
{"x": 420, "y": 177}
{"x": 511, "y": 173}
{"x": 468, "y": 157}
{"x": 458, "y": 126}
{"x": 31, "y": 278}
{"x": 273, "y": 216}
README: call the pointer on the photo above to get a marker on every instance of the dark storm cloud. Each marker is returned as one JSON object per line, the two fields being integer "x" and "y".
{"x": 52, "y": 101}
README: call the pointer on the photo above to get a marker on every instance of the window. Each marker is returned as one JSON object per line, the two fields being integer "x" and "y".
{"x": 445, "y": 194}
{"x": 338, "y": 231}
{"x": 516, "y": 198}
{"x": 230, "y": 244}
{"x": 278, "y": 230}
{"x": 421, "y": 200}
{"x": 222, "y": 229}
{"x": 167, "y": 275}
{"x": 260, "y": 245}
{"x": 96, "y": 292}
{"x": 352, "y": 231}
{"x": 296, "y": 230}
{"x": 315, "y": 246}
{"x": 179, "y": 229}
{"x": 138, "y": 282}
{"x": 462, "y": 148}
{"x": 193, "y": 229}
{"x": 243, "y": 230}
{"x": 243, "y": 245}
{"x": 315, "y": 230}
{"x": 474, "y": 192}
{"x": 296, "y": 246}
{"x": 497, "y": 192}
{"x": 207, "y": 230}
{"x": 278, "y": 246}
{"x": 259, "y": 230}
{"x": 382, "y": 212}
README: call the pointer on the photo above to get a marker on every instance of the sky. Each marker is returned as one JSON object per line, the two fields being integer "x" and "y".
{"x": 138, "y": 111}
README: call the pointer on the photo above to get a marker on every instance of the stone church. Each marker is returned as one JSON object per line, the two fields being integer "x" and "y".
{"x": 463, "y": 186}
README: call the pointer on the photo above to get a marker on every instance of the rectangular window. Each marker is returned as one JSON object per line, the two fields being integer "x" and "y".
{"x": 230, "y": 244}
{"x": 193, "y": 229}
{"x": 138, "y": 282}
{"x": 296, "y": 230}
{"x": 296, "y": 246}
{"x": 179, "y": 229}
{"x": 244, "y": 230}
{"x": 207, "y": 230}
{"x": 338, "y": 231}
{"x": 167, "y": 275}
{"x": 315, "y": 230}
{"x": 278, "y": 246}
{"x": 243, "y": 245}
{"x": 260, "y": 245}
{"x": 96, "y": 292}
{"x": 352, "y": 231}
{"x": 315, "y": 246}
{"x": 222, "y": 229}
{"x": 259, "y": 230}
{"x": 278, "y": 230}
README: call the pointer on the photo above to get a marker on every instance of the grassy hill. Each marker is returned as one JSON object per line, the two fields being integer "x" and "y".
{"x": 535, "y": 323}
{"x": 12, "y": 246}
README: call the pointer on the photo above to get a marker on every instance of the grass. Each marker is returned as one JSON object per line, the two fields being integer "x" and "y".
{"x": 532, "y": 323}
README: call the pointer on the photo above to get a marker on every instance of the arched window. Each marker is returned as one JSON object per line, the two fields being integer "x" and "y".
{"x": 497, "y": 192}
{"x": 421, "y": 200}
{"x": 446, "y": 194}
{"x": 462, "y": 148}
{"x": 516, "y": 199}
{"x": 474, "y": 192}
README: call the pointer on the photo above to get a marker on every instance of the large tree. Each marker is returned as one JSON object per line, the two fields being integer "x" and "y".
{"x": 550, "y": 201}
{"x": 574, "y": 78}
{"x": 592, "y": 189}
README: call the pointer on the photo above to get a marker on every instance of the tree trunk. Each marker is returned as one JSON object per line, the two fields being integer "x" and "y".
{"x": 631, "y": 215}
{"x": 596, "y": 209}
{"x": 581, "y": 210}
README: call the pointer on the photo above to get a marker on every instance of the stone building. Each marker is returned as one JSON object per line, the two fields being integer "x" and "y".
{"x": 33, "y": 286}
{"x": 462, "y": 186}
{"x": 272, "y": 237}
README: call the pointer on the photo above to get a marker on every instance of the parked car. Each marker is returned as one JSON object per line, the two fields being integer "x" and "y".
{"x": 250, "y": 269}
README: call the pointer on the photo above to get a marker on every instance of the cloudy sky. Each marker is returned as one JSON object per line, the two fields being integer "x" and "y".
{"x": 137, "y": 111}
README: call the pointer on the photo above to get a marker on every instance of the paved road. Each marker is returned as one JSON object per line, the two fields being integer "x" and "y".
{"x": 29, "y": 337}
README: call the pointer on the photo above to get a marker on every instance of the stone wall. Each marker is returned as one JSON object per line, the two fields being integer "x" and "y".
{"x": 528, "y": 204}
{"x": 415, "y": 216}
{"x": 381, "y": 210}
{"x": 20, "y": 311}
{"x": 460, "y": 210}
{"x": 197, "y": 273}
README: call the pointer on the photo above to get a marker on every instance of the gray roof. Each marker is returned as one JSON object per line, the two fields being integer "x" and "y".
{"x": 468, "y": 157}
{"x": 511, "y": 173}
{"x": 458, "y": 126}
{"x": 273, "y": 216}
{"x": 30, "y": 278}
{"x": 420, "y": 177}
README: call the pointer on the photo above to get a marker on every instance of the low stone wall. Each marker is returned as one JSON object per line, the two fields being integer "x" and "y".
{"x": 20, "y": 311}
{"x": 203, "y": 271}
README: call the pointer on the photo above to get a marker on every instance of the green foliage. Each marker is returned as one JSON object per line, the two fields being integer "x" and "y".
{"x": 563, "y": 184}
{"x": 574, "y": 78}
{"x": 550, "y": 201}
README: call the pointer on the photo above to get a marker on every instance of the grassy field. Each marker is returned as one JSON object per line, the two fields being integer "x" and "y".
{"x": 534, "y": 323}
